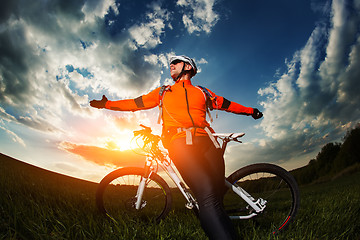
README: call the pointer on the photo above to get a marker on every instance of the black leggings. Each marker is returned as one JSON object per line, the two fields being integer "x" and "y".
{"x": 201, "y": 166}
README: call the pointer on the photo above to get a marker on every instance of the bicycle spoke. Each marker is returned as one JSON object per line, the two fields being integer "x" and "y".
{"x": 117, "y": 196}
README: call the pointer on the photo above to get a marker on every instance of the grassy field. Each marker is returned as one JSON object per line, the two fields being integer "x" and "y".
{"x": 37, "y": 204}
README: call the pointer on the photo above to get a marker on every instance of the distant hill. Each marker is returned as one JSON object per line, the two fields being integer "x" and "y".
{"x": 334, "y": 160}
{"x": 17, "y": 170}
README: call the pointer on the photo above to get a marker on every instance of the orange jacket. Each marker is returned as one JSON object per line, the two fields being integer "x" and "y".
{"x": 184, "y": 105}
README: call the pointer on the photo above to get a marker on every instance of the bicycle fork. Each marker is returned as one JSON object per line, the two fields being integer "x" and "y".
{"x": 191, "y": 202}
{"x": 142, "y": 184}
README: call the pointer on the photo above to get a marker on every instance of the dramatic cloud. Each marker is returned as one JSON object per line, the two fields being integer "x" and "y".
{"x": 105, "y": 157}
{"x": 315, "y": 93}
{"x": 54, "y": 53}
{"x": 317, "y": 99}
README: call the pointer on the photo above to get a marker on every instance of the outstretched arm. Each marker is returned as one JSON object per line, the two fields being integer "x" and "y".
{"x": 224, "y": 104}
{"x": 147, "y": 101}
{"x": 240, "y": 109}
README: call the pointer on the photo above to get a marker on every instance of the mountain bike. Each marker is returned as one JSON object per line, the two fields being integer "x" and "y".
{"x": 263, "y": 192}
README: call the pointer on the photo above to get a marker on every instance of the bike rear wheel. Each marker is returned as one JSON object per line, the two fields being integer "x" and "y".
{"x": 116, "y": 196}
{"x": 271, "y": 183}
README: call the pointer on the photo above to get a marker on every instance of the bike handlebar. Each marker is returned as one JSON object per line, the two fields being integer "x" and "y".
{"x": 150, "y": 141}
{"x": 228, "y": 137}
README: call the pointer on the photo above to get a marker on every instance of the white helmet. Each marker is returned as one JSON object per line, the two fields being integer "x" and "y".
{"x": 185, "y": 59}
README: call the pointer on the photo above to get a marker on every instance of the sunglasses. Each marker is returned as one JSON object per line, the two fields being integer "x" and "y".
{"x": 175, "y": 62}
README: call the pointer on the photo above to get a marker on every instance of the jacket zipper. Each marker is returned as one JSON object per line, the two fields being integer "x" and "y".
{"x": 187, "y": 105}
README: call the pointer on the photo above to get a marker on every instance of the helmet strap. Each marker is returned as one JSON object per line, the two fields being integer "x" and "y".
{"x": 181, "y": 73}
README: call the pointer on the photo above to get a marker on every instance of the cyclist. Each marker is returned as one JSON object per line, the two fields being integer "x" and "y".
{"x": 188, "y": 137}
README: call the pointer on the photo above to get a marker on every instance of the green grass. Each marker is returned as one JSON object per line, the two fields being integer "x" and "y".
{"x": 37, "y": 204}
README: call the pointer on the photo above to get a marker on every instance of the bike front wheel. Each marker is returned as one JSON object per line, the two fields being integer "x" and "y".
{"x": 117, "y": 193}
{"x": 271, "y": 183}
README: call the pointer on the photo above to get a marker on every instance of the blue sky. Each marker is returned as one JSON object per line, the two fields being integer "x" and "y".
{"x": 297, "y": 61}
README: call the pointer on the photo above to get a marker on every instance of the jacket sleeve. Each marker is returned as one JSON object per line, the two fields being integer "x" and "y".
{"x": 221, "y": 103}
{"x": 143, "y": 102}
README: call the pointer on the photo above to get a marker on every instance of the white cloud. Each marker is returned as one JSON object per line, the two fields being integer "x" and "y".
{"x": 202, "y": 61}
{"x": 94, "y": 8}
{"x": 158, "y": 59}
{"x": 14, "y": 137}
{"x": 199, "y": 15}
{"x": 147, "y": 35}
{"x": 319, "y": 91}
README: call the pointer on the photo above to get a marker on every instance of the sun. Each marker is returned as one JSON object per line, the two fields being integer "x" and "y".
{"x": 120, "y": 142}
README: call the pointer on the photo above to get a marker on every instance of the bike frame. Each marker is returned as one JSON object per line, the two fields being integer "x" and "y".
{"x": 261, "y": 179}
{"x": 257, "y": 204}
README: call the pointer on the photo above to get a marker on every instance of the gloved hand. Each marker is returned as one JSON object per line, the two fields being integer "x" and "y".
{"x": 99, "y": 103}
{"x": 257, "y": 114}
